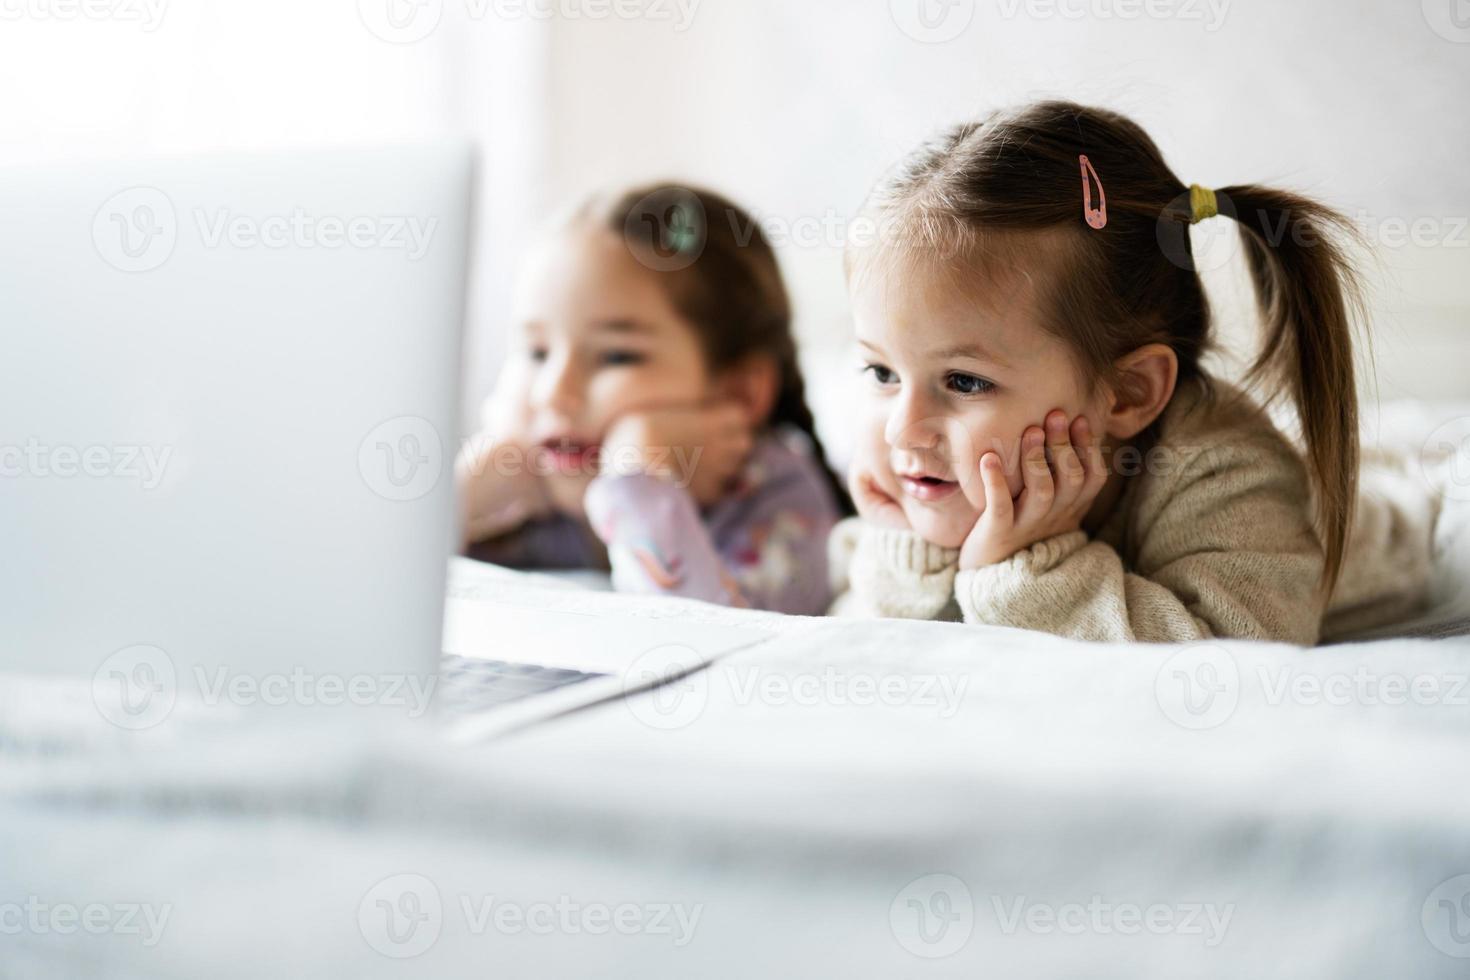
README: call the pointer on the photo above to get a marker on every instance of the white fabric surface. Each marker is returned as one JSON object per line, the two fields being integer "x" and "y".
{"x": 1053, "y": 775}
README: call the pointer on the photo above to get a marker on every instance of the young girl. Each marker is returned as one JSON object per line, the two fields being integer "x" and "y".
{"x": 651, "y": 415}
{"x": 1040, "y": 446}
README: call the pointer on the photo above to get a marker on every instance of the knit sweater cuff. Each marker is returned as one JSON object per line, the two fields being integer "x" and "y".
{"x": 1043, "y": 556}
{"x": 980, "y": 591}
{"x": 907, "y": 551}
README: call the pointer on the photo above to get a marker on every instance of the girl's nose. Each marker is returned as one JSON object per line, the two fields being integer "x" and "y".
{"x": 559, "y": 387}
{"x": 913, "y": 424}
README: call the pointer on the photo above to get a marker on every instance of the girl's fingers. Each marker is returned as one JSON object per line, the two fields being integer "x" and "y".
{"x": 1067, "y": 468}
{"x": 727, "y": 429}
{"x": 999, "y": 508}
{"x": 874, "y": 503}
{"x": 1039, "y": 489}
{"x": 1095, "y": 471}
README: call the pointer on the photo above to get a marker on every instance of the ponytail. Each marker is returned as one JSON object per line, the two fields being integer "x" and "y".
{"x": 1307, "y": 292}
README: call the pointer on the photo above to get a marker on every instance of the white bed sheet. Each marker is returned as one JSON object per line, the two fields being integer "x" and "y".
{"x": 1051, "y": 776}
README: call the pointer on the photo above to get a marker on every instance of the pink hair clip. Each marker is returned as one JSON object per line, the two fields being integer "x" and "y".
{"x": 1096, "y": 217}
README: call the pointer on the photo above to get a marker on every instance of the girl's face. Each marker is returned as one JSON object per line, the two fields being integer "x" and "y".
{"x": 951, "y": 374}
{"x": 597, "y": 338}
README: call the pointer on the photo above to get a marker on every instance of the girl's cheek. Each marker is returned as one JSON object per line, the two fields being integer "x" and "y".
{"x": 1009, "y": 451}
{"x": 975, "y": 435}
{"x": 613, "y": 394}
{"x": 874, "y": 423}
{"x": 1002, "y": 436}
{"x": 508, "y": 410}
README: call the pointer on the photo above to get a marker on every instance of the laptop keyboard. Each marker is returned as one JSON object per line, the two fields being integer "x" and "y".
{"x": 475, "y": 683}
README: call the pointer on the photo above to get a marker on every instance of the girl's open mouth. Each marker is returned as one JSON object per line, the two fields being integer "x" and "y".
{"x": 572, "y": 458}
{"x": 927, "y": 488}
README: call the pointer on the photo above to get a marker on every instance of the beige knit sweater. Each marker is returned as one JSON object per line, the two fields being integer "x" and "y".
{"x": 1212, "y": 537}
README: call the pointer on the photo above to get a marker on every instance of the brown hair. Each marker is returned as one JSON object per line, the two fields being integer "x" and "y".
{"x": 722, "y": 276}
{"x": 1134, "y": 282}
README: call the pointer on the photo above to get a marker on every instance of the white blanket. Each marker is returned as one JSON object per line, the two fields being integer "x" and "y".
{"x": 849, "y": 799}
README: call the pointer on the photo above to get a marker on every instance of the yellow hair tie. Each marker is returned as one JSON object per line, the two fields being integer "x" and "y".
{"x": 1201, "y": 203}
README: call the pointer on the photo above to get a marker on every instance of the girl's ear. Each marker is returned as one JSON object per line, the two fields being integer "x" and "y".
{"x": 1145, "y": 383}
{"x": 753, "y": 383}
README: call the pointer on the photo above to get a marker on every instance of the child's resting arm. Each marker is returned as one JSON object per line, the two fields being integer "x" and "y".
{"x": 1226, "y": 549}
{"x": 772, "y": 555}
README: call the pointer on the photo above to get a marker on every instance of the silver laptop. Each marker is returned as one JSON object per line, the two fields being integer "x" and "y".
{"x": 228, "y": 402}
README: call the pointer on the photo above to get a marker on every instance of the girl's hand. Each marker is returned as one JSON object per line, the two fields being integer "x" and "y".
{"x": 497, "y": 489}
{"x": 874, "y": 502}
{"x": 700, "y": 448}
{"x": 1062, "y": 471}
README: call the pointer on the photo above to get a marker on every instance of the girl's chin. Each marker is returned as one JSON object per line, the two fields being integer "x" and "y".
{"x": 946, "y": 531}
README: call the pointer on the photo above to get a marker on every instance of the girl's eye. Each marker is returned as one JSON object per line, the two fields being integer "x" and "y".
{"x": 881, "y": 374}
{"x": 621, "y": 358}
{"x": 968, "y": 384}
{"x": 537, "y": 354}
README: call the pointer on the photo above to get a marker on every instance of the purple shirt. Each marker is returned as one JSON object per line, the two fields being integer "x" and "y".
{"x": 763, "y": 545}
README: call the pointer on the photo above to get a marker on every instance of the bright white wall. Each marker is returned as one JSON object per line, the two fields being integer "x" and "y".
{"x": 793, "y": 107}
